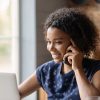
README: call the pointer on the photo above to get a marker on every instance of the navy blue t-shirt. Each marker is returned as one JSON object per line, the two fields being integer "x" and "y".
{"x": 60, "y": 86}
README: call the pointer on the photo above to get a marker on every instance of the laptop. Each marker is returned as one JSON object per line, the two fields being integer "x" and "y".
{"x": 8, "y": 87}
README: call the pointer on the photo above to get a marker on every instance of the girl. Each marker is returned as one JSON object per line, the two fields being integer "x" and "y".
{"x": 71, "y": 75}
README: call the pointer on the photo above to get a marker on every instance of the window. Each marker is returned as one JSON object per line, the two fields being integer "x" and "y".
{"x": 9, "y": 36}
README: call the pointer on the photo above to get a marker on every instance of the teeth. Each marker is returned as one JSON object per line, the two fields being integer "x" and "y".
{"x": 55, "y": 56}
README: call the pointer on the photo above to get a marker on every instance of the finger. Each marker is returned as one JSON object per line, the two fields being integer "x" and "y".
{"x": 70, "y": 49}
{"x": 68, "y": 54}
{"x": 70, "y": 59}
{"x": 66, "y": 61}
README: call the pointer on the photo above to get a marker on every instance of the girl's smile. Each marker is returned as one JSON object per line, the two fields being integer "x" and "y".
{"x": 57, "y": 43}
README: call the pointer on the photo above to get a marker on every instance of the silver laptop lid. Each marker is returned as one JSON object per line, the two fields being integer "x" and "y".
{"x": 8, "y": 87}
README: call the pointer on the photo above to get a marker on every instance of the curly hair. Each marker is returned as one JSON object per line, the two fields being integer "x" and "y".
{"x": 77, "y": 25}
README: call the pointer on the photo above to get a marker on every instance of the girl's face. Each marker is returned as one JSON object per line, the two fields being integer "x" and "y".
{"x": 57, "y": 43}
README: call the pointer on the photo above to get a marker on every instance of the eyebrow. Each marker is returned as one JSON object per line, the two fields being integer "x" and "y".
{"x": 56, "y": 39}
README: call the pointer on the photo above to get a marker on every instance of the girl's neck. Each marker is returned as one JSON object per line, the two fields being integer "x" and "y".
{"x": 66, "y": 68}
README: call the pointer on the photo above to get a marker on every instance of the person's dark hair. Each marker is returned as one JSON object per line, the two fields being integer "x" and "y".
{"x": 77, "y": 25}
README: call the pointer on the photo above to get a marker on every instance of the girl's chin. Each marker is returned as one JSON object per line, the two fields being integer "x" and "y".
{"x": 57, "y": 61}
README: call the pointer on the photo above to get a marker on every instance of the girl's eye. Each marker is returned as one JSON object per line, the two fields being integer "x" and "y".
{"x": 58, "y": 42}
{"x": 48, "y": 42}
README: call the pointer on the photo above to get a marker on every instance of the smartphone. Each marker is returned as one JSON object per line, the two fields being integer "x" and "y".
{"x": 66, "y": 59}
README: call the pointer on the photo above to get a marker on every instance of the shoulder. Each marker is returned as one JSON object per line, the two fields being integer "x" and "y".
{"x": 44, "y": 71}
{"x": 46, "y": 66}
{"x": 91, "y": 63}
{"x": 91, "y": 66}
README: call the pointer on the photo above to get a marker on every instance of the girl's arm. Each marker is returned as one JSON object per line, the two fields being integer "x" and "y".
{"x": 85, "y": 87}
{"x": 75, "y": 58}
{"x": 28, "y": 86}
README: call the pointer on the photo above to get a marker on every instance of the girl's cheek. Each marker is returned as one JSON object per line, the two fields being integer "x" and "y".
{"x": 47, "y": 47}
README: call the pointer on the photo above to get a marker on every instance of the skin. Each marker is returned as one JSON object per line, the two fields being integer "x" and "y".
{"x": 28, "y": 86}
{"x": 59, "y": 44}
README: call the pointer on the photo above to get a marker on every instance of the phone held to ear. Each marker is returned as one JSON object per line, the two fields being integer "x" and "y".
{"x": 66, "y": 59}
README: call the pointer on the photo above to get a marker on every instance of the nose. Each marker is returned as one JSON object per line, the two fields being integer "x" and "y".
{"x": 51, "y": 47}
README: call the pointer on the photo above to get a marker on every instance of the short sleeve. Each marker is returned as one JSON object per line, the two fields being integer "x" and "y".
{"x": 91, "y": 66}
{"x": 43, "y": 71}
{"x": 96, "y": 67}
{"x": 39, "y": 74}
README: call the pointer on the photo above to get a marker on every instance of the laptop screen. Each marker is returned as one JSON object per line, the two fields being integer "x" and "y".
{"x": 8, "y": 87}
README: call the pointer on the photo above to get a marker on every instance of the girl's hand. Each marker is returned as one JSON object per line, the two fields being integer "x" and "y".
{"x": 74, "y": 56}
